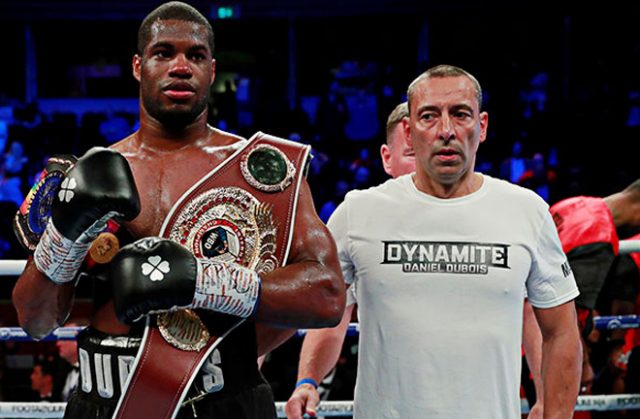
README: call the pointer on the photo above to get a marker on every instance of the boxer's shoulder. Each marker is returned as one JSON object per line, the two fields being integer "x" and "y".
{"x": 125, "y": 145}
{"x": 221, "y": 138}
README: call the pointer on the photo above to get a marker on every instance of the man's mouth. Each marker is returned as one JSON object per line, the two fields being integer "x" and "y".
{"x": 447, "y": 154}
{"x": 179, "y": 91}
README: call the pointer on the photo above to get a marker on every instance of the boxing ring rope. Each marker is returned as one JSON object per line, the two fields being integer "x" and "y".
{"x": 16, "y": 334}
{"x": 11, "y": 267}
{"x": 629, "y": 246}
{"x": 326, "y": 408}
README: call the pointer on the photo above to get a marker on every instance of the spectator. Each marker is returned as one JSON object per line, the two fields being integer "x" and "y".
{"x": 42, "y": 380}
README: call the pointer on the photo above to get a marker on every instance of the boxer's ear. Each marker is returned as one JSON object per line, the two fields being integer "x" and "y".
{"x": 135, "y": 64}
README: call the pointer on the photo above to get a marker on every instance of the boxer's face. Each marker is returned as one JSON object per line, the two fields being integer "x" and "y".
{"x": 398, "y": 157}
{"x": 175, "y": 72}
{"x": 445, "y": 128}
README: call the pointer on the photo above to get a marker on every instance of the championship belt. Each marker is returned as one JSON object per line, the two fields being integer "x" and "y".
{"x": 243, "y": 211}
{"x": 31, "y": 219}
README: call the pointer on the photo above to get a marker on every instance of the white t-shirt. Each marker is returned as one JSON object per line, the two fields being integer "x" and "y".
{"x": 440, "y": 287}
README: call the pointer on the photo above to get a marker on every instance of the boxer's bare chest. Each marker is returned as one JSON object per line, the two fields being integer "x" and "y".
{"x": 162, "y": 179}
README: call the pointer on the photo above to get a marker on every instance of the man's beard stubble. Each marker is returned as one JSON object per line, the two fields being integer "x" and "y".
{"x": 175, "y": 119}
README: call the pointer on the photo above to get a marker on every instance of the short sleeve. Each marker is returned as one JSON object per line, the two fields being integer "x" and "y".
{"x": 338, "y": 225}
{"x": 351, "y": 295}
{"x": 550, "y": 282}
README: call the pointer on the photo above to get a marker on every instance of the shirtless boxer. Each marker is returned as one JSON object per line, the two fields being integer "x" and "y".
{"x": 253, "y": 245}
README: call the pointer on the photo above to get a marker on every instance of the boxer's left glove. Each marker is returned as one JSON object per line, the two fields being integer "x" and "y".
{"x": 155, "y": 275}
{"x": 99, "y": 187}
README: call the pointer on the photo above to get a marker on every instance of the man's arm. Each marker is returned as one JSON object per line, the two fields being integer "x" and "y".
{"x": 41, "y": 304}
{"x": 97, "y": 188}
{"x": 532, "y": 342}
{"x": 269, "y": 338}
{"x": 309, "y": 291}
{"x": 319, "y": 354}
{"x": 561, "y": 359}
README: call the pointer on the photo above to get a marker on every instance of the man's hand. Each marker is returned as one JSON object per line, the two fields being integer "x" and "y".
{"x": 155, "y": 274}
{"x": 99, "y": 187}
{"x": 536, "y": 411}
{"x": 304, "y": 399}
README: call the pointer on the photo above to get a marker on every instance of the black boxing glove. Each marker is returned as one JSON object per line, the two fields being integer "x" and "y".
{"x": 99, "y": 187}
{"x": 155, "y": 275}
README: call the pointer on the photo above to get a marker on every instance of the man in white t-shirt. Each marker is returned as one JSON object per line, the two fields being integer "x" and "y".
{"x": 321, "y": 347}
{"x": 441, "y": 259}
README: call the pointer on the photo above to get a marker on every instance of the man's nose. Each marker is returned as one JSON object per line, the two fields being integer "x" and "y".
{"x": 447, "y": 132}
{"x": 180, "y": 67}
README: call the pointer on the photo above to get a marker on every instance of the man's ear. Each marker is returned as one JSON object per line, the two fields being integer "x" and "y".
{"x": 385, "y": 153}
{"x": 135, "y": 65}
{"x": 407, "y": 131}
{"x": 484, "y": 123}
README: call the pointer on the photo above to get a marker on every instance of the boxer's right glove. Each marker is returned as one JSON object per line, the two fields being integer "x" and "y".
{"x": 99, "y": 187}
{"x": 155, "y": 275}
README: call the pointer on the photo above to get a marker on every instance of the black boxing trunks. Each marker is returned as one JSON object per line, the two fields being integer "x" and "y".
{"x": 589, "y": 238}
{"x": 105, "y": 364}
{"x": 623, "y": 281}
{"x": 241, "y": 393}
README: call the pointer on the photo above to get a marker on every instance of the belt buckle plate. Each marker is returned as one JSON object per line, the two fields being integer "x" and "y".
{"x": 183, "y": 329}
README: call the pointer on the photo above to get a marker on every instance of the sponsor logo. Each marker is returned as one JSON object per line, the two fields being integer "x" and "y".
{"x": 566, "y": 269}
{"x": 446, "y": 257}
{"x": 155, "y": 268}
{"x": 66, "y": 190}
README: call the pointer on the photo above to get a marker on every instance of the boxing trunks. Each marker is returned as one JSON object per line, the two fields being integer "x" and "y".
{"x": 105, "y": 363}
{"x": 589, "y": 238}
{"x": 623, "y": 281}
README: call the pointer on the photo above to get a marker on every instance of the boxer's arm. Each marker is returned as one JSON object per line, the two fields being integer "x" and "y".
{"x": 319, "y": 354}
{"x": 561, "y": 359}
{"x": 98, "y": 187}
{"x": 269, "y": 338}
{"x": 309, "y": 291}
{"x": 532, "y": 342}
{"x": 41, "y": 304}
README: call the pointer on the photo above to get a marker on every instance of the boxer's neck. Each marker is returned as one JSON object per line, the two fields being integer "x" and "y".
{"x": 153, "y": 134}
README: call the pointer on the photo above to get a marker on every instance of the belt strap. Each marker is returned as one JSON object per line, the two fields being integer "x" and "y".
{"x": 161, "y": 376}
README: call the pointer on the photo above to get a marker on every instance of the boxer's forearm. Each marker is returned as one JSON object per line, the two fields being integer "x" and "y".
{"x": 41, "y": 304}
{"x": 269, "y": 338}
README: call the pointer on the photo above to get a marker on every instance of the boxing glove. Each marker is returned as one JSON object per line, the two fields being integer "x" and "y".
{"x": 154, "y": 275}
{"x": 99, "y": 187}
